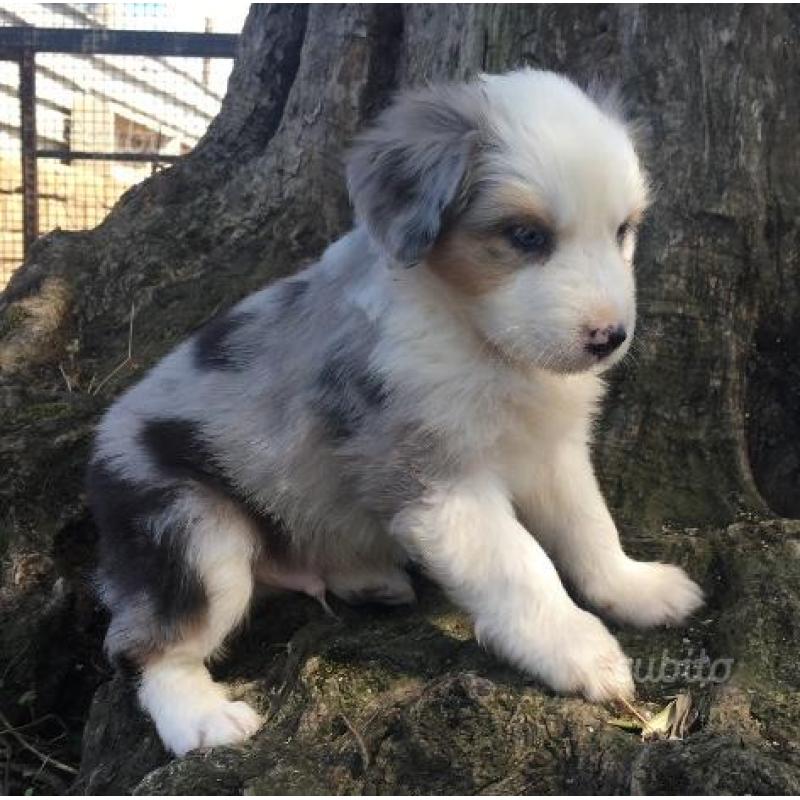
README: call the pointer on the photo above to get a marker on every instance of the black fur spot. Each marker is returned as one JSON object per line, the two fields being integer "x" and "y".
{"x": 213, "y": 349}
{"x": 372, "y": 389}
{"x": 181, "y": 451}
{"x": 345, "y": 394}
{"x": 292, "y": 292}
{"x": 132, "y": 558}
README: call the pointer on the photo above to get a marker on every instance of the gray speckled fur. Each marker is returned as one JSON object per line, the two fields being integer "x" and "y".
{"x": 266, "y": 425}
{"x": 307, "y": 418}
{"x": 407, "y": 173}
{"x": 389, "y": 402}
{"x": 278, "y": 407}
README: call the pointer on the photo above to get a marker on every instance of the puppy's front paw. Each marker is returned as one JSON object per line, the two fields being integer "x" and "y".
{"x": 646, "y": 594}
{"x": 586, "y": 659}
{"x": 189, "y": 726}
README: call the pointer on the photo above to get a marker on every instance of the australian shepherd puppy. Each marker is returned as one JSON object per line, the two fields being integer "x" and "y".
{"x": 424, "y": 392}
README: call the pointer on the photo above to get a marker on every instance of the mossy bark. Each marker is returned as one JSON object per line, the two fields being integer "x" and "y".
{"x": 701, "y": 426}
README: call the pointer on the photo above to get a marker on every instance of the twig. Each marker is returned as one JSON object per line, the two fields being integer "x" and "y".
{"x": 9, "y": 728}
{"x": 130, "y": 331}
{"x": 38, "y": 721}
{"x": 110, "y": 375}
{"x": 124, "y": 363}
{"x": 356, "y": 735}
{"x": 629, "y": 707}
{"x": 65, "y": 377}
{"x": 31, "y": 776}
{"x": 359, "y": 739}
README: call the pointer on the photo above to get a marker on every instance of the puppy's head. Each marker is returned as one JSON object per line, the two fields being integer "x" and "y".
{"x": 522, "y": 196}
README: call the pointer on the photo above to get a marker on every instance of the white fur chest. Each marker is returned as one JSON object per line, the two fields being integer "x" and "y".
{"x": 543, "y": 415}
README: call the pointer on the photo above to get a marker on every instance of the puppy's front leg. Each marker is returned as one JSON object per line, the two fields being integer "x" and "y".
{"x": 564, "y": 508}
{"x": 469, "y": 539}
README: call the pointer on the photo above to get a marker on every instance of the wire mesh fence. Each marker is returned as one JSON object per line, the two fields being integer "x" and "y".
{"x": 109, "y": 100}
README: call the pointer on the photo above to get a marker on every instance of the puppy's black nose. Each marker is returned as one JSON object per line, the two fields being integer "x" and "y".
{"x": 604, "y": 341}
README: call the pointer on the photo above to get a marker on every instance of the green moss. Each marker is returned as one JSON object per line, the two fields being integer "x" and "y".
{"x": 454, "y": 624}
{"x": 778, "y": 713}
{"x": 347, "y": 686}
{"x": 36, "y": 412}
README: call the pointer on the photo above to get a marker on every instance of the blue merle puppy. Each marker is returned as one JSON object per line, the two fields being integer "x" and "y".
{"x": 424, "y": 391}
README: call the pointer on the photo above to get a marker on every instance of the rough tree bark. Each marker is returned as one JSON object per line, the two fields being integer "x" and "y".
{"x": 699, "y": 449}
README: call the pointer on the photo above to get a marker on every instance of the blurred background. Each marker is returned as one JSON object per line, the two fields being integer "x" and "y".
{"x": 102, "y": 121}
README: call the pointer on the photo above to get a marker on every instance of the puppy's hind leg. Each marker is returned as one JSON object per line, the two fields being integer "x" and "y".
{"x": 188, "y": 708}
{"x": 199, "y": 552}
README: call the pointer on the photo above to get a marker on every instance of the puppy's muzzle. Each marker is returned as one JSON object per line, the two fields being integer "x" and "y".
{"x": 604, "y": 341}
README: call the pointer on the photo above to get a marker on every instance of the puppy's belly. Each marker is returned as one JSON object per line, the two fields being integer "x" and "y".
{"x": 274, "y": 575}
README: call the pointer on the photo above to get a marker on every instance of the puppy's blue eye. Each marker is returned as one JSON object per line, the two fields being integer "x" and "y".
{"x": 529, "y": 240}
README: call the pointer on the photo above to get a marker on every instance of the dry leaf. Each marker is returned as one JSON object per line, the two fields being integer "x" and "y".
{"x": 626, "y": 724}
{"x": 672, "y": 722}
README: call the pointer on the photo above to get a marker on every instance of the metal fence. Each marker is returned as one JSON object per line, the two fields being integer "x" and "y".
{"x": 93, "y": 98}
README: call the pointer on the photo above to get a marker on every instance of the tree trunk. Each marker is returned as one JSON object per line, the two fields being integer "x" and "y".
{"x": 702, "y": 423}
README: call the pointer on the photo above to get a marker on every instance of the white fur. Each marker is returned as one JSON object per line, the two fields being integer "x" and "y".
{"x": 476, "y": 462}
{"x": 526, "y": 432}
{"x": 579, "y": 164}
{"x": 176, "y": 690}
{"x": 473, "y": 545}
{"x": 190, "y": 710}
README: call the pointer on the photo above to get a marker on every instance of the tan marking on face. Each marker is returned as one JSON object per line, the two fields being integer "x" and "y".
{"x": 471, "y": 262}
{"x": 518, "y": 201}
{"x": 635, "y": 217}
{"x": 475, "y": 257}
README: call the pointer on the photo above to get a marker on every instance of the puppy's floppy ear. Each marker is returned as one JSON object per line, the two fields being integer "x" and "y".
{"x": 410, "y": 170}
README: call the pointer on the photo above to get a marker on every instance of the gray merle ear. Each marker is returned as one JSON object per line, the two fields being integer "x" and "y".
{"x": 411, "y": 169}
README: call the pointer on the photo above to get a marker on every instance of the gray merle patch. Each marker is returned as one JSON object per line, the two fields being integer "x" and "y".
{"x": 130, "y": 556}
{"x": 214, "y": 348}
{"x": 183, "y": 453}
{"x": 292, "y": 293}
{"x": 345, "y": 395}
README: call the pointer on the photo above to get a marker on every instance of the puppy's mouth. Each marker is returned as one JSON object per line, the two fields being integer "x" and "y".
{"x": 601, "y": 351}
{"x": 567, "y": 359}
{"x": 568, "y": 363}
{"x": 589, "y": 359}
{"x": 605, "y": 360}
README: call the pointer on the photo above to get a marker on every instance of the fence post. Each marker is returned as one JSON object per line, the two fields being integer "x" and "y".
{"x": 27, "y": 107}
